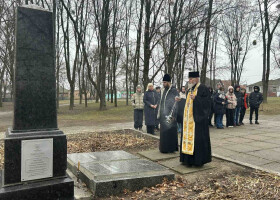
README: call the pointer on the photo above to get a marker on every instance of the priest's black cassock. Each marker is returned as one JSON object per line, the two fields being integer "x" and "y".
{"x": 168, "y": 131}
{"x": 202, "y": 148}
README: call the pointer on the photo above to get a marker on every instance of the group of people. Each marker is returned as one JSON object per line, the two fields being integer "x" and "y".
{"x": 233, "y": 104}
{"x": 146, "y": 102}
{"x": 167, "y": 107}
{"x": 189, "y": 111}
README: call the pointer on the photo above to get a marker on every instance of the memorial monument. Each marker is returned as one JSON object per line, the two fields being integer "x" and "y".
{"x": 35, "y": 149}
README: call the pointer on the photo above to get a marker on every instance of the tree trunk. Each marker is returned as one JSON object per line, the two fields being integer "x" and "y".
{"x": 86, "y": 99}
{"x": 137, "y": 51}
{"x": 1, "y": 98}
{"x": 147, "y": 41}
{"x": 206, "y": 43}
{"x": 267, "y": 72}
{"x": 72, "y": 90}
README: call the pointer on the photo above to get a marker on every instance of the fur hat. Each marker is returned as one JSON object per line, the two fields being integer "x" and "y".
{"x": 193, "y": 74}
{"x": 167, "y": 78}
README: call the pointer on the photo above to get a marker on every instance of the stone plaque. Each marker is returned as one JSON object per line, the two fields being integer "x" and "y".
{"x": 36, "y": 159}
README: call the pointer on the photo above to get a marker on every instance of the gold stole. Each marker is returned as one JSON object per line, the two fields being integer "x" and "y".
{"x": 189, "y": 125}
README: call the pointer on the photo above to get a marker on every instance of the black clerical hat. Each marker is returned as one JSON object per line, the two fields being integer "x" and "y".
{"x": 193, "y": 74}
{"x": 167, "y": 78}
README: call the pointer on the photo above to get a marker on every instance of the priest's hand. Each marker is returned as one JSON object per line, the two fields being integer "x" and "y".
{"x": 192, "y": 96}
{"x": 177, "y": 99}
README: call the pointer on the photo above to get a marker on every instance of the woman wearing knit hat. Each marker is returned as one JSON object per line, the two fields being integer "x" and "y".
{"x": 232, "y": 102}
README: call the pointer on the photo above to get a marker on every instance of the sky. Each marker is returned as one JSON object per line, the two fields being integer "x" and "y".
{"x": 253, "y": 67}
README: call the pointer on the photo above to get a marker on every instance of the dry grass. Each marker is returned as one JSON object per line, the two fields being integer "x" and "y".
{"x": 250, "y": 186}
{"x": 109, "y": 141}
{"x": 272, "y": 107}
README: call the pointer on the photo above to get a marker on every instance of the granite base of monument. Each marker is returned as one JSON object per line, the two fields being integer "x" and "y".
{"x": 31, "y": 178}
{"x": 59, "y": 188}
{"x": 110, "y": 173}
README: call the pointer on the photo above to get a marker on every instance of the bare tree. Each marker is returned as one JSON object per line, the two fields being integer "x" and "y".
{"x": 237, "y": 27}
{"x": 270, "y": 19}
{"x": 206, "y": 42}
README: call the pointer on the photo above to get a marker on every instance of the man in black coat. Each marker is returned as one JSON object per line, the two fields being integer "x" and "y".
{"x": 245, "y": 103}
{"x": 211, "y": 113}
{"x": 167, "y": 107}
{"x": 214, "y": 93}
{"x": 195, "y": 146}
{"x": 158, "y": 90}
{"x": 255, "y": 100}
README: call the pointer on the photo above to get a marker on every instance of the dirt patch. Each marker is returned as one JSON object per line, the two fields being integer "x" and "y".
{"x": 249, "y": 185}
{"x": 115, "y": 140}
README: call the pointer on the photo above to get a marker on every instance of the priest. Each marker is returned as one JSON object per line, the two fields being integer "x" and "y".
{"x": 195, "y": 149}
{"x": 167, "y": 116}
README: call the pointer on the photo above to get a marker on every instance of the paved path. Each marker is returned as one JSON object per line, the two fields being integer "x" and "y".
{"x": 253, "y": 145}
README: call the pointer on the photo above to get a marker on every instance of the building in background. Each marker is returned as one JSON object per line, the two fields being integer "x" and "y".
{"x": 273, "y": 87}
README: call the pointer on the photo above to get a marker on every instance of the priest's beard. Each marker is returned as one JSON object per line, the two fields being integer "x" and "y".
{"x": 191, "y": 85}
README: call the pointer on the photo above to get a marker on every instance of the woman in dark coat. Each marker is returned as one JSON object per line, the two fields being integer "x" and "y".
{"x": 220, "y": 107}
{"x": 151, "y": 102}
{"x": 211, "y": 113}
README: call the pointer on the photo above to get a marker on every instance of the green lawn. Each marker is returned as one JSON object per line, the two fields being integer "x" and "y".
{"x": 92, "y": 112}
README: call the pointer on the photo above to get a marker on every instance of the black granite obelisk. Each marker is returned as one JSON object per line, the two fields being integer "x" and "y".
{"x": 35, "y": 114}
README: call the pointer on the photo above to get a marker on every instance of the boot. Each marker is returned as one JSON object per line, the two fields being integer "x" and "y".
{"x": 251, "y": 122}
{"x": 256, "y": 122}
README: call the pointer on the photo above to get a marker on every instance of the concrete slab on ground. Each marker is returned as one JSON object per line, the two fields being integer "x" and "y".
{"x": 107, "y": 176}
{"x": 96, "y": 157}
{"x": 268, "y": 154}
{"x": 242, "y": 148}
{"x": 156, "y": 155}
{"x": 275, "y": 166}
{"x": 176, "y": 165}
{"x": 246, "y": 158}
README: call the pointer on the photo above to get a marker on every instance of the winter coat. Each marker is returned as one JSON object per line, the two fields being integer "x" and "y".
{"x": 167, "y": 101}
{"x": 150, "y": 98}
{"x": 231, "y": 100}
{"x": 219, "y": 107}
{"x": 255, "y": 98}
{"x": 245, "y": 101}
{"x": 238, "y": 96}
{"x": 137, "y": 101}
{"x": 212, "y": 103}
